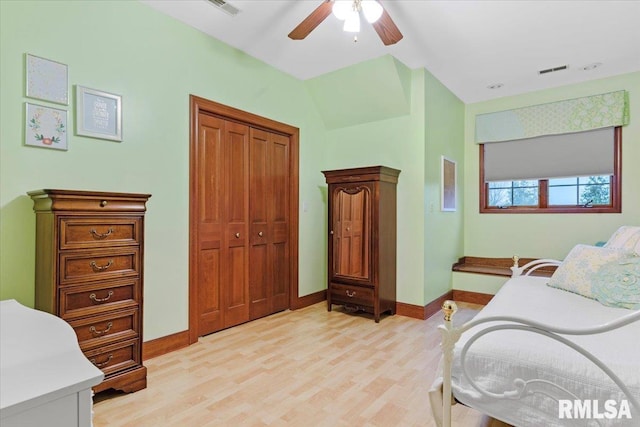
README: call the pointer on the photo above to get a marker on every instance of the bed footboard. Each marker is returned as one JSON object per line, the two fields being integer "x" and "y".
{"x": 521, "y": 387}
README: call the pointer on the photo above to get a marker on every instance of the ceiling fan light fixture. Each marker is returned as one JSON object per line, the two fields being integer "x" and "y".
{"x": 352, "y": 22}
{"x": 342, "y": 8}
{"x": 372, "y": 10}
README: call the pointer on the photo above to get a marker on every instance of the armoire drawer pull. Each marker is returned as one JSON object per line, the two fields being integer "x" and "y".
{"x": 94, "y": 298}
{"x": 351, "y": 294}
{"x": 103, "y": 203}
{"x": 97, "y": 267}
{"x": 101, "y": 364}
{"x": 260, "y": 234}
{"x": 97, "y": 333}
{"x": 237, "y": 235}
{"x": 101, "y": 236}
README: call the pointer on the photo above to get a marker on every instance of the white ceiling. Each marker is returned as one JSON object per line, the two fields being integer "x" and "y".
{"x": 466, "y": 44}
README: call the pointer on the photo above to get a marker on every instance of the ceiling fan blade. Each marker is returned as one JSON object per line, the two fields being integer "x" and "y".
{"x": 312, "y": 21}
{"x": 387, "y": 29}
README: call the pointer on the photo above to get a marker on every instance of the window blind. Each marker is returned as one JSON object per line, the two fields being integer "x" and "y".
{"x": 552, "y": 156}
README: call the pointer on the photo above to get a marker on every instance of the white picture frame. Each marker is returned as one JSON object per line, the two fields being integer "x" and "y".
{"x": 448, "y": 184}
{"x": 45, "y": 127}
{"x": 46, "y": 80}
{"x": 98, "y": 114}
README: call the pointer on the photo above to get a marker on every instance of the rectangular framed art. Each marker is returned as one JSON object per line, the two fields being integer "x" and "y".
{"x": 47, "y": 80}
{"x": 98, "y": 114}
{"x": 45, "y": 127}
{"x": 448, "y": 185}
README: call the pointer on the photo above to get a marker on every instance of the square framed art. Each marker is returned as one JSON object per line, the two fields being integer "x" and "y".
{"x": 98, "y": 114}
{"x": 45, "y": 127}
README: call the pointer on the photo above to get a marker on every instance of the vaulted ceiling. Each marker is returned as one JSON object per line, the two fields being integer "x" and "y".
{"x": 469, "y": 45}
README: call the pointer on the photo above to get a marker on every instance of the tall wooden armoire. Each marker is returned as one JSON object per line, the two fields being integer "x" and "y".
{"x": 362, "y": 239}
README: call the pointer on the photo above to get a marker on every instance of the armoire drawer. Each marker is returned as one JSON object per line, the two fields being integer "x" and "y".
{"x": 95, "y": 298}
{"x": 82, "y": 266}
{"x": 82, "y": 233}
{"x": 105, "y": 329}
{"x": 350, "y": 294}
{"x": 115, "y": 358}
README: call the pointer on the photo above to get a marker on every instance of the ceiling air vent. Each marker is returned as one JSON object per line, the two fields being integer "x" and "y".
{"x": 553, "y": 70}
{"x": 225, "y": 7}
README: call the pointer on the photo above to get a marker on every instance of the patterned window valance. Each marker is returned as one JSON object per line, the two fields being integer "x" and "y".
{"x": 573, "y": 115}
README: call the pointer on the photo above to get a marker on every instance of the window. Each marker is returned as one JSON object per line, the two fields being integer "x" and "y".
{"x": 572, "y": 173}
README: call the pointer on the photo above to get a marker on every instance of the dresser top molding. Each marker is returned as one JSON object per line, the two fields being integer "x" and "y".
{"x": 48, "y": 200}
{"x": 369, "y": 173}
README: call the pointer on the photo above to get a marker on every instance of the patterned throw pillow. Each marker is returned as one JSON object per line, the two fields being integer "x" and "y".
{"x": 625, "y": 237}
{"x": 617, "y": 283}
{"x": 579, "y": 268}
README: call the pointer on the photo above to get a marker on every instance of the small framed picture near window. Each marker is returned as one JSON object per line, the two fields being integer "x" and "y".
{"x": 45, "y": 127}
{"x": 98, "y": 114}
{"x": 448, "y": 185}
{"x": 47, "y": 80}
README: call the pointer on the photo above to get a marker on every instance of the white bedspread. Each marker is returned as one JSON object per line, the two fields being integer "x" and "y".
{"x": 497, "y": 359}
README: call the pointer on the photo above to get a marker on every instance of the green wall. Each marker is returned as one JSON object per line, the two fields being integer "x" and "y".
{"x": 154, "y": 62}
{"x": 547, "y": 235}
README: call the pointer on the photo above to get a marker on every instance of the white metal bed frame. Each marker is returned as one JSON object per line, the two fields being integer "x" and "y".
{"x": 451, "y": 335}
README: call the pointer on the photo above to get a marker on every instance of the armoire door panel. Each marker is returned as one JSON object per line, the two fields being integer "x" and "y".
{"x": 351, "y": 250}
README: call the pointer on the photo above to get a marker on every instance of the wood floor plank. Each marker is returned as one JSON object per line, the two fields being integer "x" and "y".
{"x": 307, "y": 367}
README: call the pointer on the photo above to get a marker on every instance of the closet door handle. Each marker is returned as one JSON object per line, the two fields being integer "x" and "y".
{"x": 237, "y": 235}
{"x": 260, "y": 234}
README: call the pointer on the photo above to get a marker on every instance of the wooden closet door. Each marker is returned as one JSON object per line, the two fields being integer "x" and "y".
{"x": 210, "y": 223}
{"x": 269, "y": 218}
{"x": 223, "y": 185}
{"x": 236, "y": 287}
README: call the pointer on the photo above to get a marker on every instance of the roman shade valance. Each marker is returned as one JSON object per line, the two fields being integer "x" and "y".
{"x": 556, "y": 118}
{"x": 552, "y": 156}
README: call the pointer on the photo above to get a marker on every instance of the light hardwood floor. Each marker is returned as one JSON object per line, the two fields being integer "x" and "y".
{"x": 307, "y": 367}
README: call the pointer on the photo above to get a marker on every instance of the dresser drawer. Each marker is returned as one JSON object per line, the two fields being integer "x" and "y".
{"x": 80, "y": 233}
{"x": 105, "y": 329}
{"x": 96, "y": 298}
{"x": 115, "y": 358}
{"x": 349, "y": 294}
{"x": 82, "y": 266}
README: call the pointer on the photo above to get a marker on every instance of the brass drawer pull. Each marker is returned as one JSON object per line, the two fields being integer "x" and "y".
{"x": 351, "y": 294}
{"x": 101, "y": 364}
{"x": 97, "y": 267}
{"x": 101, "y": 236}
{"x": 93, "y": 297}
{"x": 103, "y": 203}
{"x": 97, "y": 333}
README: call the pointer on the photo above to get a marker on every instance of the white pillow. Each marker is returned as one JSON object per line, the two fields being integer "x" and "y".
{"x": 578, "y": 270}
{"x": 626, "y": 237}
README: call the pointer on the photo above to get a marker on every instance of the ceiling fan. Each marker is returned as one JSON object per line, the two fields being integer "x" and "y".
{"x": 350, "y": 11}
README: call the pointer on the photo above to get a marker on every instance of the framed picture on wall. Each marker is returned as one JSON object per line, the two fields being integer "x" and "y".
{"x": 47, "y": 80}
{"x": 448, "y": 183}
{"x": 45, "y": 127}
{"x": 98, "y": 114}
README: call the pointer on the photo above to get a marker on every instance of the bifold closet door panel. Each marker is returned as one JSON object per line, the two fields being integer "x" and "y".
{"x": 236, "y": 266}
{"x": 211, "y": 186}
{"x": 269, "y": 229}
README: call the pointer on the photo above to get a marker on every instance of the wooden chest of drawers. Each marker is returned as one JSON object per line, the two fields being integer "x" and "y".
{"x": 89, "y": 258}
